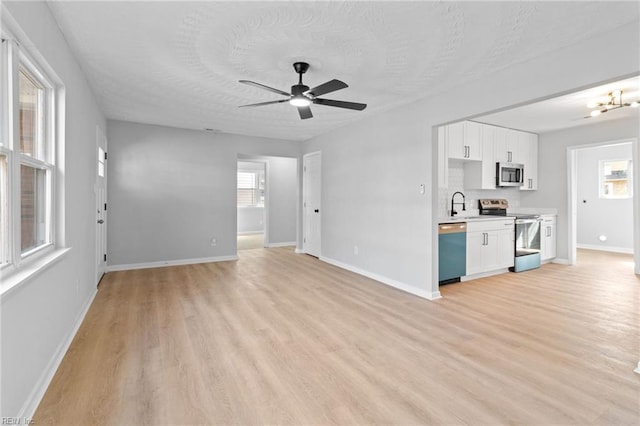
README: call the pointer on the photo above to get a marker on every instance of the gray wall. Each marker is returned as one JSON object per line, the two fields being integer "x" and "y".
{"x": 553, "y": 187}
{"x": 612, "y": 218}
{"x": 172, "y": 190}
{"x": 38, "y": 318}
{"x": 282, "y": 200}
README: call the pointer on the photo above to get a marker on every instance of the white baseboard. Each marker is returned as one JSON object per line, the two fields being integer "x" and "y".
{"x": 560, "y": 261}
{"x": 33, "y": 400}
{"x": 384, "y": 280}
{"x": 484, "y": 274}
{"x": 637, "y": 370}
{"x": 289, "y": 244}
{"x": 299, "y": 251}
{"x": 624, "y": 250}
{"x": 162, "y": 263}
{"x": 251, "y": 232}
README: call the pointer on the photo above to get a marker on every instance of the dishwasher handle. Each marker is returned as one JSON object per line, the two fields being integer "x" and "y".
{"x": 452, "y": 228}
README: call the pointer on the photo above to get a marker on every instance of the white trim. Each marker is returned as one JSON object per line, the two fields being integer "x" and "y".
{"x": 637, "y": 370}
{"x": 163, "y": 263}
{"x": 560, "y": 261}
{"x": 250, "y": 233}
{"x": 484, "y": 274}
{"x": 624, "y": 250}
{"x": 286, "y": 244}
{"x": 384, "y": 280}
{"x": 299, "y": 251}
{"x": 37, "y": 393}
{"x": 14, "y": 277}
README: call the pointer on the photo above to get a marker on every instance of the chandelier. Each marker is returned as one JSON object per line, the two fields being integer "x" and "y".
{"x": 614, "y": 101}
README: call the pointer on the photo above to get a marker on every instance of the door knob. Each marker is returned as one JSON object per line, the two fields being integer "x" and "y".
{"x": 100, "y": 221}
{"x": 317, "y": 210}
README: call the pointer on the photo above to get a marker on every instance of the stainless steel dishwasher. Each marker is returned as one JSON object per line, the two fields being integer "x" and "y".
{"x": 452, "y": 252}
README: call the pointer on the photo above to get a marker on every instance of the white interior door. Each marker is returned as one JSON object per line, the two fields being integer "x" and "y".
{"x": 101, "y": 204}
{"x": 311, "y": 242}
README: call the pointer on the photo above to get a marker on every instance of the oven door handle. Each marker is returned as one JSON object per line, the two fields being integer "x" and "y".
{"x": 525, "y": 221}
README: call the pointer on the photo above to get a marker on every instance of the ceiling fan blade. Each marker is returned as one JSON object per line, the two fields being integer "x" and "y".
{"x": 262, "y": 86}
{"x": 328, "y": 87}
{"x": 264, "y": 103}
{"x": 305, "y": 112}
{"x": 340, "y": 104}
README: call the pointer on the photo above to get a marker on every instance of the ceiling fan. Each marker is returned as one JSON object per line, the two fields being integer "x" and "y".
{"x": 302, "y": 97}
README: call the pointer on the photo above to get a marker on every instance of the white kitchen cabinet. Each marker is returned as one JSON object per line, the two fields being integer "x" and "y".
{"x": 548, "y": 239}
{"x": 490, "y": 245}
{"x": 464, "y": 140}
{"x": 443, "y": 158}
{"x": 529, "y": 146}
{"x": 507, "y": 145}
{"x": 482, "y": 174}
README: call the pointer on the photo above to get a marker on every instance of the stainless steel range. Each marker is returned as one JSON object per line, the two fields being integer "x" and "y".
{"x": 527, "y": 233}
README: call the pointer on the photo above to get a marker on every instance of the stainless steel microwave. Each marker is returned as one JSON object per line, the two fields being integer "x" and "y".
{"x": 509, "y": 174}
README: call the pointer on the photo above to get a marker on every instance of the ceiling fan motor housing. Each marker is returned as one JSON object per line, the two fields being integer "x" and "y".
{"x": 299, "y": 89}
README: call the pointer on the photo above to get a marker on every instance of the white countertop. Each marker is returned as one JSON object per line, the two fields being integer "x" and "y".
{"x": 458, "y": 219}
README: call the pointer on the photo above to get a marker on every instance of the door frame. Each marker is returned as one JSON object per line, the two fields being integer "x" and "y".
{"x": 305, "y": 185}
{"x": 101, "y": 214}
{"x": 572, "y": 180}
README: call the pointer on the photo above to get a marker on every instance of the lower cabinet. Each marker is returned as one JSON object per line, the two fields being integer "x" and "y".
{"x": 490, "y": 245}
{"x": 548, "y": 237}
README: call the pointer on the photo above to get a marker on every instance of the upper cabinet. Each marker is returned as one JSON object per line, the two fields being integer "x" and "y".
{"x": 464, "y": 140}
{"x": 529, "y": 153}
{"x": 482, "y": 146}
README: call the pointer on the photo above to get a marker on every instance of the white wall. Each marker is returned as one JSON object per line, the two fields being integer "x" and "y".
{"x": 172, "y": 190}
{"x": 553, "y": 187}
{"x": 38, "y": 318}
{"x": 371, "y": 169}
{"x": 250, "y": 220}
{"x": 597, "y": 216}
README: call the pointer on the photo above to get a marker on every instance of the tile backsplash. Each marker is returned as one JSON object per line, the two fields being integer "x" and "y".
{"x": 456, "y": 183}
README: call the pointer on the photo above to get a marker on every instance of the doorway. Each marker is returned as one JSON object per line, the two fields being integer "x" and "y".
{"x": 602, "y": 201}
{"x": 251, "y": 201}
{"x": 101, "y": 204}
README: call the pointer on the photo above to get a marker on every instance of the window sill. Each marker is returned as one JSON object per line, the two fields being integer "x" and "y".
{"x": 13, "y": 278}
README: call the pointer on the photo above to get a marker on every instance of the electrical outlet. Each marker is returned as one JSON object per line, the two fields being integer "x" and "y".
{"x": 355, "y": 250}
{"x": 214, "y": 242}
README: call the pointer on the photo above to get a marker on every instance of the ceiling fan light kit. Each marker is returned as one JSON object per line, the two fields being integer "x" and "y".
{"x": 302, "y": 97}
{"x": 614, "y": 102}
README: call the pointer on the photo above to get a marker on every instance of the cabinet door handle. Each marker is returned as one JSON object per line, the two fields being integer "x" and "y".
{"x": 509, "y": 157}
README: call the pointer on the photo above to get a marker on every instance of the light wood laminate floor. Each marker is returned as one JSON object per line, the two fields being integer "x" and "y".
{"x": 282, "y": 338}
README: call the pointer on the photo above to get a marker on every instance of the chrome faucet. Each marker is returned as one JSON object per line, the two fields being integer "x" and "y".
{"x": 464, "y": 206}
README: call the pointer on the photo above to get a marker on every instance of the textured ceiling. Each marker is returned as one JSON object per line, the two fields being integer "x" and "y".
{"x": 178, "y": 63}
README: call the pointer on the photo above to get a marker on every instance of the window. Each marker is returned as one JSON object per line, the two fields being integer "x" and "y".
{"x": 615, "y": 179}
{"x": 26, "y": 156}
{"x": 250, "y": 189}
